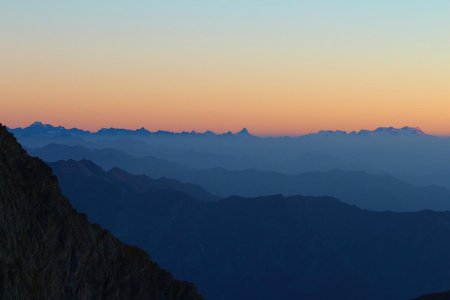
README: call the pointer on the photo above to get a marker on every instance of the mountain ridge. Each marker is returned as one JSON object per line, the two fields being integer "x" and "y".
{"x": 48, "y": 129}
{"x": 39, "y": 127}
{"x": 276, "y": 247}
{"x": 118, "y": 177}
{"x": 369, "y": 191}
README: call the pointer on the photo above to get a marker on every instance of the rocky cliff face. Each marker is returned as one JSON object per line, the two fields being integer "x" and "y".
{"x": 49, "y": 251}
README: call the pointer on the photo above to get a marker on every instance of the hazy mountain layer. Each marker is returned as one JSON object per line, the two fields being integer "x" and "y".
{"x": 375, "y": 192}
{"x": 120, "y": 182}
{"x": 405, "y": 152}
{"x": 280, "y": 247}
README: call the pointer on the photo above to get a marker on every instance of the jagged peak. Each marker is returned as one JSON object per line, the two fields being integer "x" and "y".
{"x": 244, "y": 131}
{"x": 36, "y": 124}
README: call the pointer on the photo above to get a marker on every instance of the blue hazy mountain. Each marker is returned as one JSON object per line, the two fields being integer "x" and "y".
{"x": 406, "y": 153}
{"x": 374, "y": 192}
{"x": 380, "y": 131}
{"x": 117, "y": 182}
{"x": 109, "y": 158}
{"x": 39, "y": 128}
{"x": 369, "y": 191}
{"x": 277, "y": 247}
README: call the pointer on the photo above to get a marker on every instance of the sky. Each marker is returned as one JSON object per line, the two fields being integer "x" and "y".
{"x": 275, "y": 67}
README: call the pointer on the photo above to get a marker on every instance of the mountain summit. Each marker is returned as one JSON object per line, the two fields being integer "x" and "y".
{"x": 393, "y": 131}
{"x": 49, "y": 251}
{"x": 380, "y": 131}
{"x": 244, "y": 132}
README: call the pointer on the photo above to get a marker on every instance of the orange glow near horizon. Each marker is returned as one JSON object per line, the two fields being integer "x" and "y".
{"x": 272, "y": 103}
{"x": 277, "y": 69}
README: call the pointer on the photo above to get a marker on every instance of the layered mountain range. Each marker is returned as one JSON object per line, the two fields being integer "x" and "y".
{"x": 39, "y": 128}
{"x": 406, "y": 153}
{"x": 376, "y": 192}
{"x": 270, "y": 247}
{"x": 226, "y": 213}
{"x": 49, "y": 251}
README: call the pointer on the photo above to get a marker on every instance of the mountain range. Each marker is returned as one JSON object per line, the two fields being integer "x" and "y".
{"x": 274, "y": 247}
{"x": 49, "y": 251}
{"x": 375, "y": 192}
{"x": 39, "y": 128}
{"x": 265, "y": 247}
{"x": 404, "y": 131}
{"x": 406, "y": 153}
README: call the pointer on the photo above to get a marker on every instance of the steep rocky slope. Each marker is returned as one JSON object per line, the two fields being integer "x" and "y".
{"x": 49, "y": 251}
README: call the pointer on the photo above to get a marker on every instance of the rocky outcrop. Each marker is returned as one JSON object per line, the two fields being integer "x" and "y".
{"x": 49, "y": 251}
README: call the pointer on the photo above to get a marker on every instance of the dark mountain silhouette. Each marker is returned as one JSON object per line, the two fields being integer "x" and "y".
{"x": 117, "y": 179}
{"x": 279, "y": 247}
{"x": 109, "y": 158}
{"x": 49, "y": 251}
{"x": 375, "y": 192}
{"x": 435, "y": 296}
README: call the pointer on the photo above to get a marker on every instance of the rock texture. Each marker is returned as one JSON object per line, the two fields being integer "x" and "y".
{"x": 49, "y": 251}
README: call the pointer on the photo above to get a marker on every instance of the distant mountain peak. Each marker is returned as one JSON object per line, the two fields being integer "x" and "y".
{"x": 403, "y": 130}
{"x": 380, "y": 131}
{"x": 244, "y": 132}
{"x": 209, "y": 133}
{"x": 37, "y": 124}
{"x": 142, "y": 130}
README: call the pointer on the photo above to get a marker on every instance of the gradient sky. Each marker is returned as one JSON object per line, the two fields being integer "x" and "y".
{"x": 276, "y": 67}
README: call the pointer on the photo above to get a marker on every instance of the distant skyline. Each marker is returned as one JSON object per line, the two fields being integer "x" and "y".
{"x": 244, "y": 130}
{"x": 275, "y": 67}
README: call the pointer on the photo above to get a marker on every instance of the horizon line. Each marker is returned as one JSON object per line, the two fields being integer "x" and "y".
{"x": 244, "y": 130}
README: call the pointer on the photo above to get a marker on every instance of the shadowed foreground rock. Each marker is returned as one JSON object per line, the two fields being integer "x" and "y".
{"x": 49, "y": 251}
{"x": 435, "y": 296}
